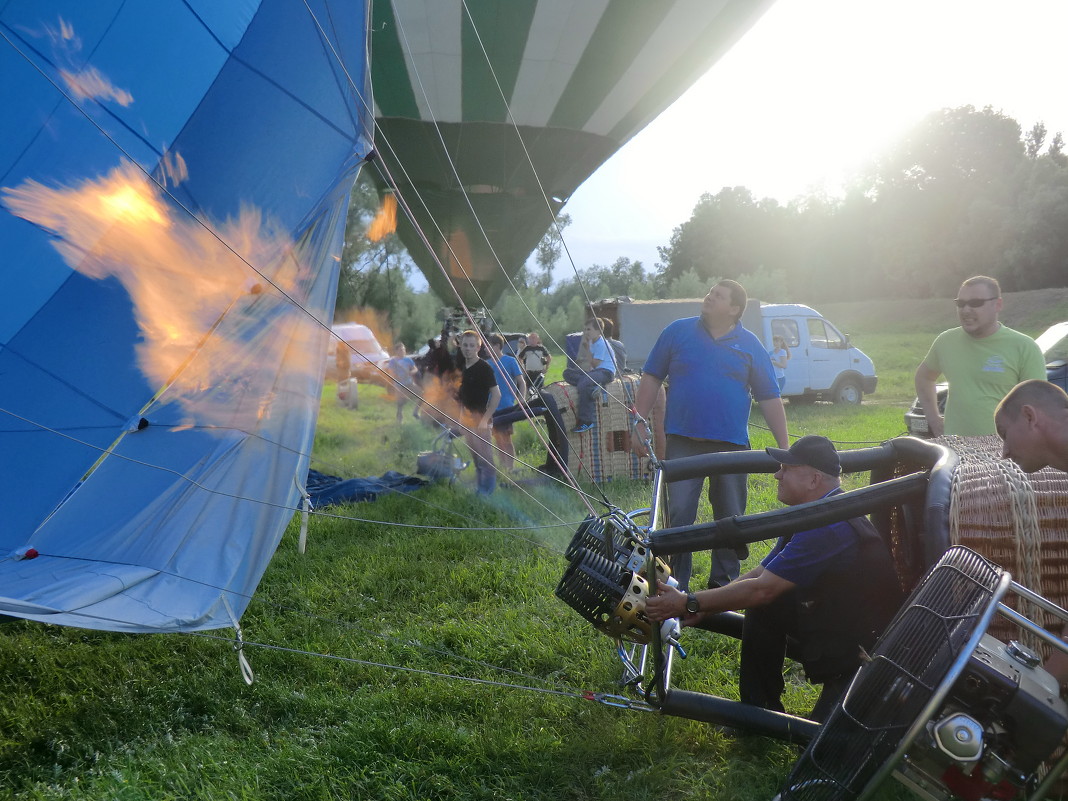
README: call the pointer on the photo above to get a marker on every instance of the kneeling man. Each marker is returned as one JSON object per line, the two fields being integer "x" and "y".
{"x": 830, "y": 591}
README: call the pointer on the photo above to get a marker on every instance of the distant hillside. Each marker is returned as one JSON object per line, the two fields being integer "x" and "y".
{"x": 1031, "y": 312}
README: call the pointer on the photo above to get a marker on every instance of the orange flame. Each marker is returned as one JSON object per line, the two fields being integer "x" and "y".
{"x": 186, "y": 282}
{"x": 385, "y": 221}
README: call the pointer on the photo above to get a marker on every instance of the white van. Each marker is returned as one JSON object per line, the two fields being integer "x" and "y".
{"x": 823, "y": 364}
{"x": 367, "y": 352}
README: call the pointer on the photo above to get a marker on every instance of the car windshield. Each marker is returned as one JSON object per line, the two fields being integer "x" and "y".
{"x": 1054, "y": 343}
{"x": 367, "y": 346}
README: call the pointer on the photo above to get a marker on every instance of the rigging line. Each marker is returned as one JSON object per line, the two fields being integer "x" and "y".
{"x": 370, "y": 109}
{"x": 383, "y": 171}
{"x": 301, "y": 613}
{"x": 271, "y": 504}
{"x": 493, "y": 445}
{"x": 459, "y": 182}
{"x": 289, "y": 254}
{"x": 530, "y": 418}
{"x": 179, "y": 204}
{"x": 277, "y": 607}
{"x": 163, "y": 188}
{"x": 541, "y": 188}
{"x": 583, "y": 695}
{"x": 835, "y": 441}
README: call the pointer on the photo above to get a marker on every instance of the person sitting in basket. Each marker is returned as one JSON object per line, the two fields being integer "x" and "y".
{"x": 1032, "y": 421}
{"x": 595, "y": 367}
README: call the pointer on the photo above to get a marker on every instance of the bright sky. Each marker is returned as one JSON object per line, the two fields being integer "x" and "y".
{"x": 814, "y": 88}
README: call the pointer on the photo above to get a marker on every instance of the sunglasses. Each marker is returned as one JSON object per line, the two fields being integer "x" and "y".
{"x": 975, "y": 303}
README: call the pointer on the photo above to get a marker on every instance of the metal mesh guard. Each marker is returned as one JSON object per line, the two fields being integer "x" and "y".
{"x": 591, "y": 535}
{"x": 910, "y": 660}
{"x": 592, "y": 586}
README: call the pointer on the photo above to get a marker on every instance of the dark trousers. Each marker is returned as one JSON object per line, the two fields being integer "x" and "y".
{"x": 764, "y": 636}
{"x": 545, "y": 406}
{"x": 766, "y": 632}
{"x": 727, "y": 494}
{"x": 586, "y": 383}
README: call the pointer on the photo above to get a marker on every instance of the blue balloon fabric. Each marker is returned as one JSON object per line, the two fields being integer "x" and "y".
{"x": 174, "y": 179}
{"x": 326, "y": 490}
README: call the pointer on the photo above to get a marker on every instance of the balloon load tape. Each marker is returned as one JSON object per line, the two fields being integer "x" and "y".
{"x": 606, "y": 581}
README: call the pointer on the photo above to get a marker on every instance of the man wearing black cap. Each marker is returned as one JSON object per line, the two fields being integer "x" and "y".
{"x": 831, "y": 591}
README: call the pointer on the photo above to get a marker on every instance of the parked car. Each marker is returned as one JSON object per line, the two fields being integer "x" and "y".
{"x": 1053, "y": 343}
{"x": 368, "y": 355}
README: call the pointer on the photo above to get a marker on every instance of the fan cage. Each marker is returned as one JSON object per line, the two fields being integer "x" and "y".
{"x": 601, "y": 535}
{"x": 889, "y": 693}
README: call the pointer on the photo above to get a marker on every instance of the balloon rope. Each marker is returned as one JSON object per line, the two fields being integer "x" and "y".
{"x": 584, "y": 695}
{"x": 350, "y": 626}
{"x": 537, "y": 179}
{"x": 466, "y": 196}
{"x": 388, "y": 179}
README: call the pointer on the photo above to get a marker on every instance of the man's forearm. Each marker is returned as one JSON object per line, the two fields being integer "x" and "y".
{"x": 775, "y": 416}
{"x": 645, "y": 397}
{"x": 927, "y": 394}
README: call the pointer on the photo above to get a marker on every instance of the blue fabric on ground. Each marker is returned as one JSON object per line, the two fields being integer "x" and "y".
{"x": 326, "y": 490}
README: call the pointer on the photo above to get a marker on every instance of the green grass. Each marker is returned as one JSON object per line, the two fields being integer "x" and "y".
{"x": 422, "y": 663}
{"x": 87, "y": 715}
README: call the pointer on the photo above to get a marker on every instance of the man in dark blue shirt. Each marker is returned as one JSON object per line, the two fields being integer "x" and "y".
{"x": 832, "y": 590}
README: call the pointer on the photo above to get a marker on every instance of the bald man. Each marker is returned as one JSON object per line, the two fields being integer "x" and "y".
{"x": 1032, "y": 421}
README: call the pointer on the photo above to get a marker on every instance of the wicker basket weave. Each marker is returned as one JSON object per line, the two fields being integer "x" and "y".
{"x": 1016, "y": 520}
{"x": 604, "y": 452}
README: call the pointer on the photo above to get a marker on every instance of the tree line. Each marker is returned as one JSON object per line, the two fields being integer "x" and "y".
{"x": 964, "y": 192}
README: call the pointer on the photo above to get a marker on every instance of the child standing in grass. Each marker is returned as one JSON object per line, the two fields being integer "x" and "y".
{"x": 780, "y": 355}
{"x": 403, "y": 372}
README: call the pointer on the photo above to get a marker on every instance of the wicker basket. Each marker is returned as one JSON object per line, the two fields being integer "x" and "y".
{"x": 605, "y": 451}
{"x": 1016, "y": 520}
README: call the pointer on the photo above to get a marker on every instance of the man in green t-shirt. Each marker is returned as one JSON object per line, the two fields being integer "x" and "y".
{"x": 982, "y": 360}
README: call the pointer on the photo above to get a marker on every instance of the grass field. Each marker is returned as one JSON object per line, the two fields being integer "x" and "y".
{"x": 416, "y": 651}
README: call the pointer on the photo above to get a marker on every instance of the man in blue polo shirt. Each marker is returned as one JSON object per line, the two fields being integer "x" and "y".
{"x": 715, "y": 368}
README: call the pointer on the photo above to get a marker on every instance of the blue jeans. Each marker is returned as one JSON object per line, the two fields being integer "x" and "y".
{"x": 727, "y": 494}
{"x": 485, "y": 469}
{"x": 585, "y": 383}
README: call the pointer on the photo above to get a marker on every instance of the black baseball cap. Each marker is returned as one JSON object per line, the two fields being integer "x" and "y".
{"x": 812, "y": 451}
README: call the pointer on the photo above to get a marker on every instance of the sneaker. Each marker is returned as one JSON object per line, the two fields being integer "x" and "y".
{"x": 581, "y": 427}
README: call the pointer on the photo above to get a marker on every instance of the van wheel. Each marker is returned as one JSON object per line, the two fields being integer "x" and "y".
{"x": 847, "y": 391}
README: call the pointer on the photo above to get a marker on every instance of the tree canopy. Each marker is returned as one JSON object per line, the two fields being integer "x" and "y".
{"x": 964, "y": 192}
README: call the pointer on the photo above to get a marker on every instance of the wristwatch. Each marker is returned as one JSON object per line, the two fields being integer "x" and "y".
{"x": 693, "y": 606}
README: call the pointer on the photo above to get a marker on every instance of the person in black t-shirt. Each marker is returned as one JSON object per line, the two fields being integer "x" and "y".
{"x": 478, "y": 396}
